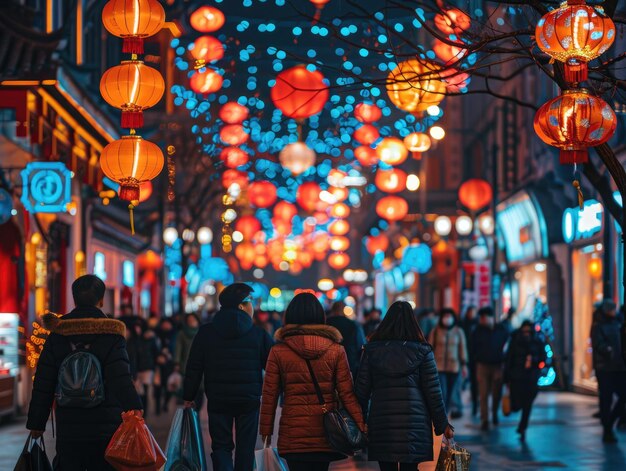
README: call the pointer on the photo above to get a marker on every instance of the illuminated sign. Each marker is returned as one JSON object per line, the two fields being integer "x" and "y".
{"x": 128, "y": 273}
{"x": 6, "y": 206}
{"x": 99, "y": 266}
{"x": 47, "y": 187}
{"x": 583, "y": 223}
{"x": 417, "y": 257}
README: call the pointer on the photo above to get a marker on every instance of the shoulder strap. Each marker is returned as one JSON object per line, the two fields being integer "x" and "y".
{"x": 316, "y": 385}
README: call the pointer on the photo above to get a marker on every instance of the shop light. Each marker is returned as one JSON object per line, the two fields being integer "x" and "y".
{"x": 350, "y": 301}
{"x": 229, "y": 215}
{"x": 540, "y": 267}
{"x": 348, "y": 275}
{"x": 276, "y": 292}
{"x": 369, "y": 291}
{"x": 486, "y": 224}
{"x": 325, "y": 284}
{"x": 170, "y": 235}
{"x": 433, "y": 110}
{"x": 237, "y": 236}
{"x": 189, "y": 235}
{"x": 478, "y": 253}
{"x": 437, "y": 133}
{"x": 258, "y": 273}
{"x": 283, "y": 266}
{"x": 412, "y": 182}
{"x": 443, "y": 226}
{"x": 348, "y": 312}
{"x": 464, "y": 225}
{"x": 205, "y": 235}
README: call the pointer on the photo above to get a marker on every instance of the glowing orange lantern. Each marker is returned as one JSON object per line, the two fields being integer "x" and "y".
{"x": 233, "y": 134}
{"x": 339, "y": 227}
{"x": 338, "y": 260}
{"x": 340, "y": 211}
{"x": 391, "y": 181}
{"x": 132, "y": 87}
{"x": 245, "y": 254}
{"x": 340, "y": 194}
{"x": 392, "y": 208}
{"x": 377, "y": 243}
{"x": 449, "y": 53}
{"x": 320, "y": 245}
{"x": 207, "y": 19}
{"x": 233, "y": 113}
{"x": 319, "y": 5}
{"x": 417, "y": 142}
{"x": 297, "y": 157}
{"x": 130, "y": 161}
{"x": 367, "y": 113}
{"x": 248, "y": 225}
{"x": 305, "y": 258}
{"x": 339, "y": 243}
{"x": 261, "y": 260}
{"x": 205, "y": 82}
{"x": 262, "y": 194}
{"x": 573, "y": 122}
{"x": 321, "y": 217}
{"x": 231, "y": 176}
{"x": 282, "y": 227}
{"x": 206, "y": 49}
{"x": 366, "y": 156}
{"x": 366, "y": 134}
{"x": 149, "y": 261}
{"x": 133, "y": 20}
{"x": 413, "y": 86}
{"x": 234, "y": 157}
{"x": 595, "y": 267}
{"x": 308, "y": 195}
{"x": 392, "y": 151}
{"x": 285, "y": 211}
{"x": 575, "y": 34}
{"x": 452, "y": 21}
{"x": 475, "y": 194}
{"x": 455, "y": 81}
{"x": 299, "y": 93}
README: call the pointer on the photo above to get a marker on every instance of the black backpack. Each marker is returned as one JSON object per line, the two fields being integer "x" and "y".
{"x": 79, "y": 383}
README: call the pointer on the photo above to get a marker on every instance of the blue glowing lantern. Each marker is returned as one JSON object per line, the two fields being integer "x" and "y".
{"x": 417, "y": 258}
{"x": 6, "y": 206}
{"x": 47, "y": 187}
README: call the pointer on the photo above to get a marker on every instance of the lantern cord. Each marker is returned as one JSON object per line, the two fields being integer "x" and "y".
{"x": 131, "y": 207}
{"x": 299, "y": 130}
{"x": 581, "y": 198}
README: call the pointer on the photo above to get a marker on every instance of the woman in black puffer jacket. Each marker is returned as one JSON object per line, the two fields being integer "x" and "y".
{"x": 399, "y": 383}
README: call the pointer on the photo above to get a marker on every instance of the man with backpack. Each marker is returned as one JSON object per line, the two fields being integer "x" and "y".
{"x": 84, "y": 366}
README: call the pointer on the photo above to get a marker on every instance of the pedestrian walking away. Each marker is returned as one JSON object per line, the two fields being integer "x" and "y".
{"x": 351, "y": 333}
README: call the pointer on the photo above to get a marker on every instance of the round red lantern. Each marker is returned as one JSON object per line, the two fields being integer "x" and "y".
{"x": 299, "y": 93}
{"x": 377, "y": 243}
{"x": 231, "y": 176}
{"x": 366, "y": 156}
{"x": 339, "y": 211}
{"x": 245, "y": 254}
{"x": 261, "y": 260}
{"x": 282, "y": 227}
{"x": 262, "y": 194}
{"x": 234, "y": 157}
{"x": 233, "y": 134}
{"x": 233, "y": 113}
{"x": 133, "y": 20}
{"x": 415, "y": 85}
{"x": 149, "y": 261}
{"x": 367, "y": 113}
{"x": 475, "y": 194}
{"x": 297, "y": 157}
{"x": 392, "y": 208}
{"x": 455, "y": 81}
{"x": 206, "y": 49}
{"x": 575, "y": 34}
{"x": 305, "y": 258}
{"x": 339, "y": 227}
{"x": 338, "y": 260}
{"x": 391, "y": 181}
{"x": 321, "y": 217}
{"x": 339, "y": 243}
{"x": 205, "y": 82}
{"x": 207, "y": 19}
{"x": 339, "y": 193}
{"x": 452, "y": 21}
{"x": 417, "y": 142}
{"x": 320, "y": 245}
{"x": 248, "y": 225}
{"x": 366, "y": 134}
{"x": 392, "y": 151}
{"x": 448, "y": 53}
{"x": 573, "y": 122}
{"x": 285, "y": 211}
{"x": 308, "y": 196}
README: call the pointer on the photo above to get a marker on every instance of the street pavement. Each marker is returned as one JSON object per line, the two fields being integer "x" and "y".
{"x": 562, "y": 434}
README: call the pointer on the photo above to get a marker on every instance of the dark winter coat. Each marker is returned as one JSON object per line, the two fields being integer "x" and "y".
{"x": 400, "y": 383}
{"x": 607, "y": 345}
{"x": 231, "y": 354}
{"x": 301, "y": 422}
{"x": 488, "y": 344}
{"x": 520, "y": 348}
{"x": 105, "y": 336}
{"x": 353, "y": 338}
{"x": 145, "y": 350}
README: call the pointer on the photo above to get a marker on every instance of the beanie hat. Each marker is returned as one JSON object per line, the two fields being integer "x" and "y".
{"x": 233, "y": 295}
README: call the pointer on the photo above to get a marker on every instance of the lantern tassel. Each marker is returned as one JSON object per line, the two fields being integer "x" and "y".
{"x": 579, "y": 191}
{"x": 132, "y": 119}
{"x": 318, "y": 15}
{"x": 131, "y": 207}
{"x": 132, "y": 45}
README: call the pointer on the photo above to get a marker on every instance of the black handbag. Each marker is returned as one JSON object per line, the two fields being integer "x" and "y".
{"x": 33, "y": 457}
{"x": 342, "y": 432}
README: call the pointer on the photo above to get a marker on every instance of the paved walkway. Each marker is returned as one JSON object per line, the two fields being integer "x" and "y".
{"x": 562, "y": 434}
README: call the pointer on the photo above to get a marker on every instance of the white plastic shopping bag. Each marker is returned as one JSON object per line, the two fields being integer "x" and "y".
{"x": 267, "y": 459}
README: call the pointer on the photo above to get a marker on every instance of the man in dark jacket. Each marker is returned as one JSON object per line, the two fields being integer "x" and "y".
{"x": 352, "y": 333}
{"x": 83, "y": 433}
{"x": 231, "y": 353}
{"x": 610, "y": 369}
{"x": 487, "y": 350}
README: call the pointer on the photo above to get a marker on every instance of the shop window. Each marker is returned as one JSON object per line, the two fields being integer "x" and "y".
{"x": 128, "y": 273}
{"x": 99, "y": 266}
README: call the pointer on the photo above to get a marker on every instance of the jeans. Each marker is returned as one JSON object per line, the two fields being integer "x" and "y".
{"x": 308, "y": 465}
{"x": 387, "y": 466}
{"x": 81, "y": 456}
{"x": 221, "y": 431}
{"x": 489, "y": 383}
{"x": 456, "y": 401}
{"x": 448, "y": 382}
{"x": 611, "y": 383}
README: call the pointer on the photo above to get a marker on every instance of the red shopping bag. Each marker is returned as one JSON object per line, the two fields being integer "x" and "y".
{"x": 133, "y": 447}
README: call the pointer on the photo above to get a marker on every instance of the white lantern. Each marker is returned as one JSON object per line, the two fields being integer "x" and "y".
{"x": 170, "y": 235}
{"x": 205, "y": 235}
{"x": 297, "y": 157}
{"x": 486, "y": 224}
{"x": 478, "y": 253}
{"x": 437, "y": 133}
{"x": 325, "y": 284}
{"x": 443, "y": 226}
{"x": 464, "y": 225}
{"x": 412, "y": 182}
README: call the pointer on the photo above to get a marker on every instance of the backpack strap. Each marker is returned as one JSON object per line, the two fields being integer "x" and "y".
{"x": 316, "y": 385}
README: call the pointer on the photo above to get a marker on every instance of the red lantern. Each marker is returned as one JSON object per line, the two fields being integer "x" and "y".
{"x": 452, "y": 21}
{"x": 340, "y": 194}
{"x": 392, "y": 151}
{"x": 321, "y": 217}
{"x": 305, "y": 258}
{"x": 133, "y": 20}
{"x": 417, "y": 142}
{"x": 339, "y": 211}
{"x": 320, "y": 245}
{"x": 367, "y": 113}
{"x": 262, "y": 194}
{"x": 573, "y": 122}
{"x": 261, "y": 260}
{"x": 207, "y": 19}
{"x": 575, "y": 34}
{"x": 230, "y": 177}
{"x": 391, "y": 181}
{"x": 366, "y": 134}
{"x": 392, "y": 208}
{"x": 339, "y": 243}
{"x": 338, "y": 260}
{"x": 366, "y": 156}
{"x": 206, "y": 49}
{"x": 233, "y": 134}
{"x": 455, "y": 81}
{"x": 449, "y": 53}
{"x": 245, "y": 254}
{"x": 377, "y": 243}
{"x": 233, "y": 113}
{"x": 149, "y": 261}
{"x": 282, "y": 227}
{"x": 285, "y": 211}
{"x": 248, "y": 225}
{"x": 339, "y": 227}
{"x": 308, "y": 196}
{"x": 205, "y": 82}
{"x": 475, "y": 194}
{"x": 234, "y": 157}
{"x": 299, "y": 93}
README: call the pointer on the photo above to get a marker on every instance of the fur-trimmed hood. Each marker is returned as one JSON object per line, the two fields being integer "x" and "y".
{"x": 308, "y": 341}
{"x": 85, "y": 326}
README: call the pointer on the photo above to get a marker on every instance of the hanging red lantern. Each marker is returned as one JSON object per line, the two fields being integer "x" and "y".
{"x": 308, "y": 196}
{"x": 262, "y": 194}
{"x": 206, "y": 82}
{"x": 299, "y": 93}
{"x": 573, "y": 122}
{"x": 285, "y": 211}
{"x": 392, "y": 151}
{"x": 391, "y": 181}
{"x": 379, "y": 243}
{"x": 261, "y": 260}
{"x": 367, "y": 113}
{"x": 305, "y": 258}
{"x": 452, "y": 21}
{"x": 297, "y": 157}
{"x": 233, "y": 113}
{"x": 366, "y": 134}
{"x": 338, "y": 260}
{"x": 475, "y": 194}
{"x": 248, "y": 225}
{"x": 415, "y": 85}
{"x": 448, "y": 53}
{"x": 320, "y": 245}
{"x": 133, "y": 20}
{"x": 245, "y": 254}
{"x": 321, "y": 217}
{"x": 206, "y": 49}
{"x": 339, "y": 243}
{"x": 456, "y": 81}
{"x": 233, "y": 134}
{"x": 392, "y": 208}
{"x": 366, "y": 156}
{"x": 207, "y": 19}
{"x": 234, "y": 157}
{"x": 339, "y": 211}
{"x": 339, "y": 227}
{"x": 149, "y": 261}
{"x": 231, "y": 176}
{"x": 340, "y": 194}
{"x": 575, "y": 34}
{"x": 282, "y": 227}
{"x": 417, "y": 142}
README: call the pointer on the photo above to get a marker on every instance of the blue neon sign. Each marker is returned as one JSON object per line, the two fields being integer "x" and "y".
{"x": 128, "y": 273}
{"x": 99, "y": 266}
{"x": 582, "y": 224}
{"x": 47, "y": 187}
